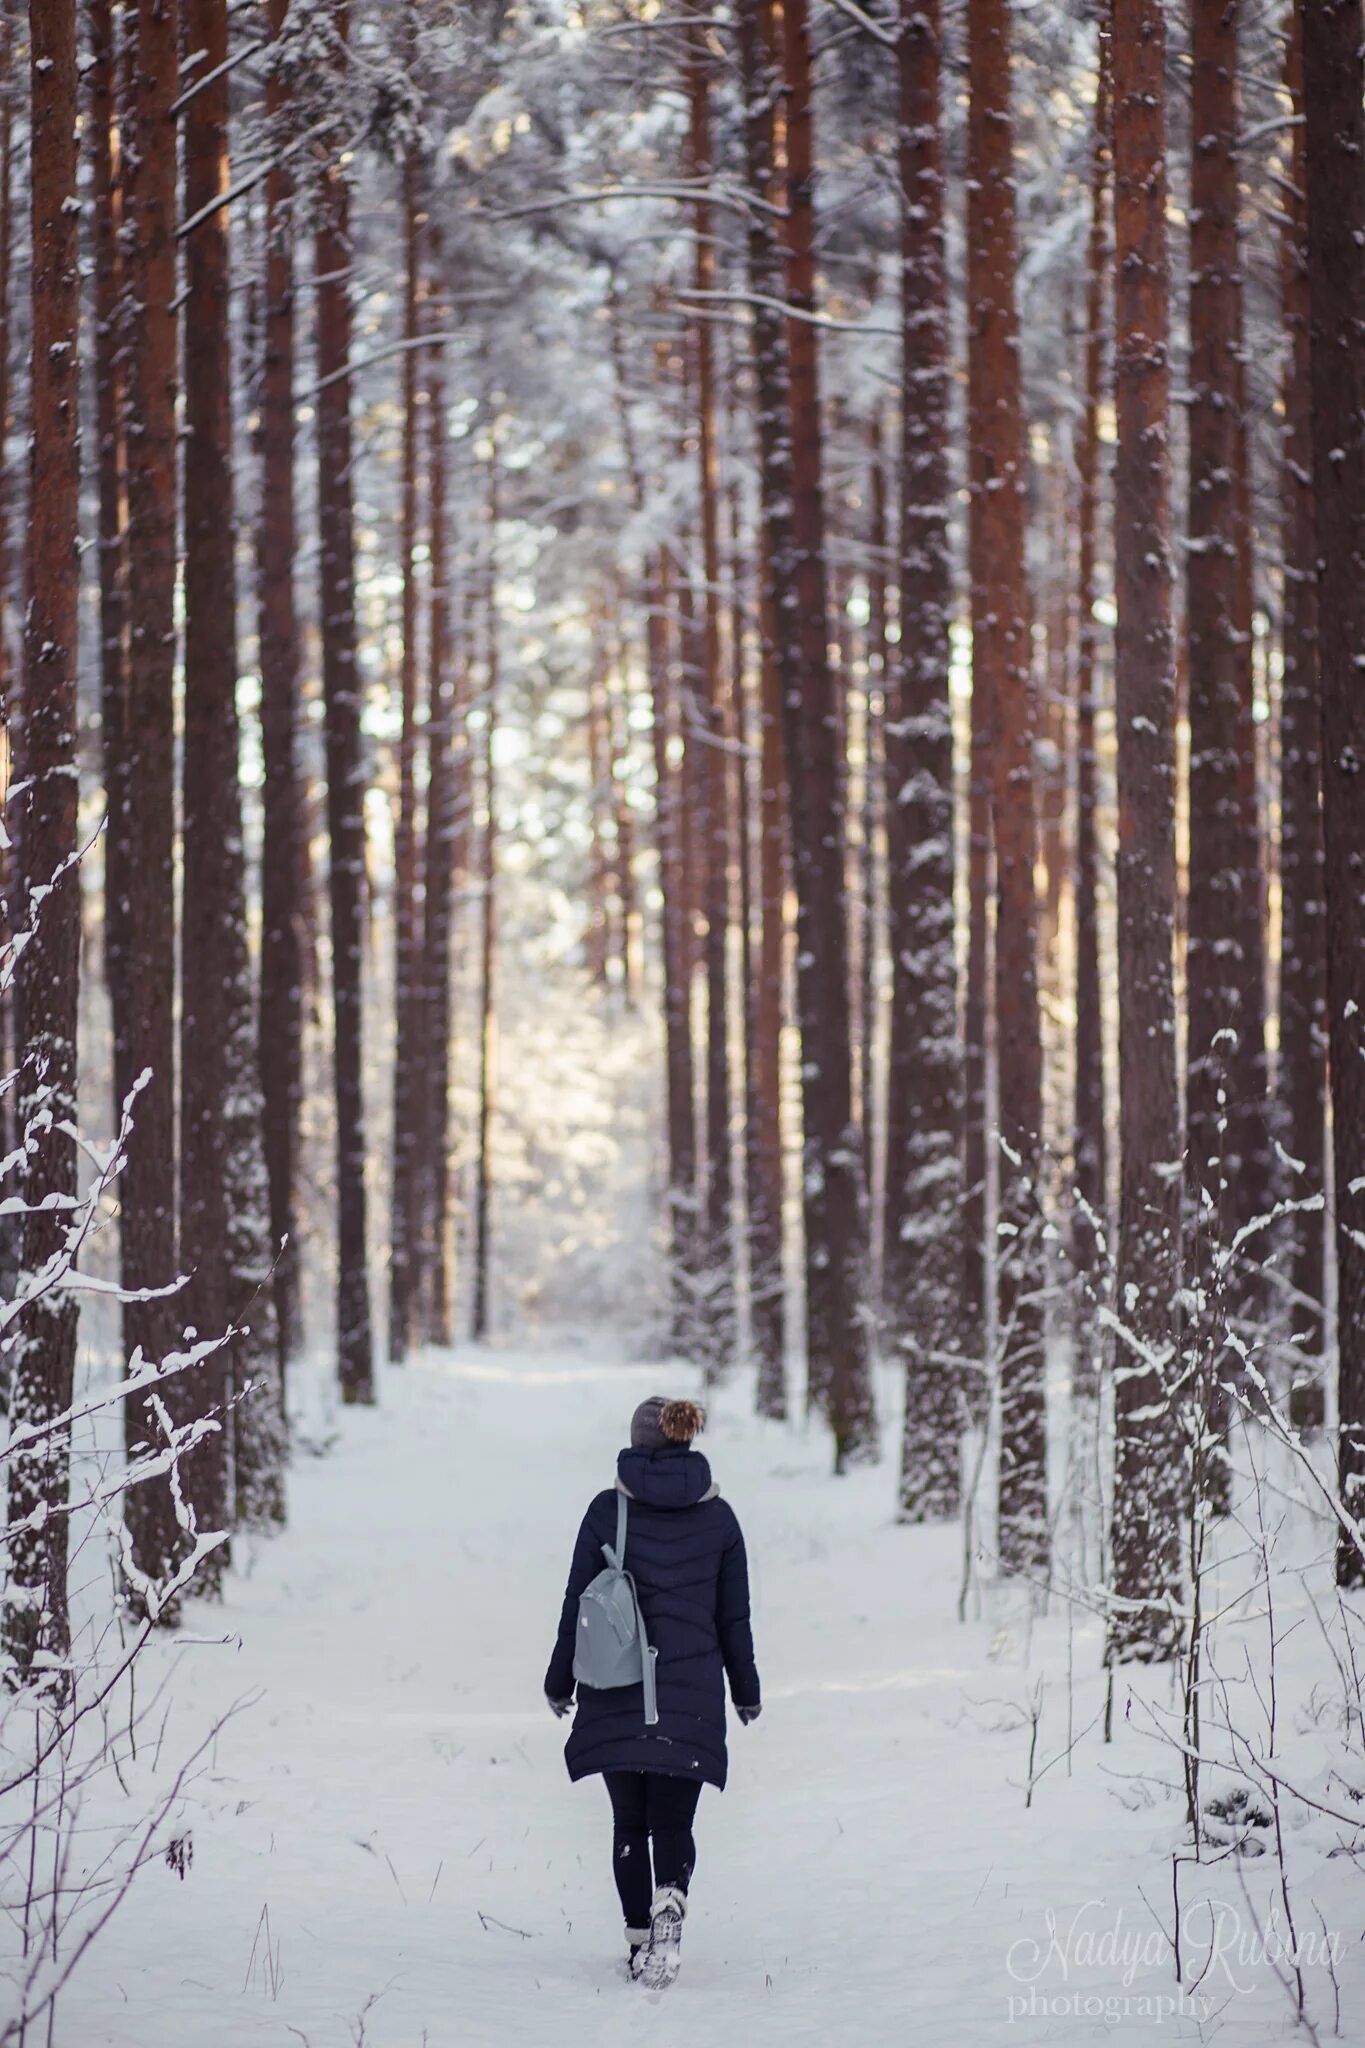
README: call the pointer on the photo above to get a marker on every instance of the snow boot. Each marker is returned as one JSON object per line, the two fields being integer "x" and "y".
{"x": 638, "y": 1938}
{"x": 662, "y": 1954}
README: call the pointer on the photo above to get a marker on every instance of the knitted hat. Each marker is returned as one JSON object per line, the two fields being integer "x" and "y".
{"x": 659, "y": 1425}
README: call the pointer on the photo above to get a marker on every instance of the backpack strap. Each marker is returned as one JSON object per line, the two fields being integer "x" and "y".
{"x": 616, "y": 1557}
{"x": 647, "y": 1654}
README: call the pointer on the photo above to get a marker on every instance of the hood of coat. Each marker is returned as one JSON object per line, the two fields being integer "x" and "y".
{"x": 677, "y": 1477}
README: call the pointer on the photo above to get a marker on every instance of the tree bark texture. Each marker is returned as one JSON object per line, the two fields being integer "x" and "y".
{"x": 669, "y": 829}
{"x": 145, "y": 1037}
{"x": 1001, "y": 670}
{"x": 716, "y": 1302}
{"x": 404, "y": 1226}
{"x": 1090, "y": 1205}
{"x": 761, "y": 85}
{"x": 211, "y": 857}
{"x": 1225, "y": 960}
{"x": 1334, "y": 105}
{"x": 106, "y": 209}
{"x": 837, "y": 1338}
{"x": 1302, "y": 1069}
{"x": 445, "y": 859}
{"x": 488, "y": 929}
{"x": 1145, "y": 1619}
{"x": 921, "y": 1285}
{"x": 344, "y": 753}
{"x": 36, "y": 1629}
{"x": 281, "y": 963}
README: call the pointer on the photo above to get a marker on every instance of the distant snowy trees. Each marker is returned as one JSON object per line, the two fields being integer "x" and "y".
{"x": 761, "y": 466}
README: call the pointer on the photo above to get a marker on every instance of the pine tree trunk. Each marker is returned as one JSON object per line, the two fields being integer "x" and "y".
{"x": 281, "y": 969}
{"x": 308, "y": 894}
{"x": 211, "y": 831}
{"x": 921, "y": 1286}
{"x": 687, "y": 701}
{"x": 1001, "y": 669}
{"x": 488, "y": 929}
{"x": 1148, "y": 1461}
{"x": 837, "y": 1346}
{"x": 1225, "y": 1067}
{"x": 686, "y": 687}
{"x": 778, "y": 678}
{"x": 767, "y": 1180}
{"x": 716, "y": 1278}
{"x": 978, "y": 1159}
{"x": 761, "y": 82}
{"x": 619, "y": 751}
{"x": 260, "y": 1433}
{"x": 599, "y": 935}
{"x": 1302, "y": 1069}
{"x": 35, "y": 1619}
{"x": 10, "y": 1227}
{"x": 1053, "y": 688}
{"x": 404, "y": 1234}
{"x": 9, "y": 89}
{"x": 1090, "y": 1207}
{"x": 743, "y": 733}
{"x": 1224, "y": 959}
{"x": 145, "y": 1037}
{"x": 1334, "y": 105}
{"x": 102, "y": 135}
{"x": 682, "y": 1165}
{"x": 633, "y": 934}
{"x": 851, "y": 649}
{"x": 447, "y": 820}
{"x": 977, "y": 1163}
{"x": 345, "y": 762}
{"x": 871, "y": 881}
{"x": 1259, "y": 1187}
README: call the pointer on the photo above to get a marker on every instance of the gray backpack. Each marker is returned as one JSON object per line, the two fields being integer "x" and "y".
{"x": 611, "y": 1647}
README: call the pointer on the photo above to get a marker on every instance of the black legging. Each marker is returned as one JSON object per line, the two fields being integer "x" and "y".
{"x": 645, "y": 1804}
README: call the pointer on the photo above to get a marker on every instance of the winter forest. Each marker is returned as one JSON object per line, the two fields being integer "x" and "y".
{"x": 683, "y": 713}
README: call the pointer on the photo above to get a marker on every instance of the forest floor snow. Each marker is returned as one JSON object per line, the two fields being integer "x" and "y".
{"x": 386, "y": 1848}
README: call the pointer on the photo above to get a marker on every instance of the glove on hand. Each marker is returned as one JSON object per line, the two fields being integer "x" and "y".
{"x": 559, "y": 1707}
{"x": 748, "y": 1714}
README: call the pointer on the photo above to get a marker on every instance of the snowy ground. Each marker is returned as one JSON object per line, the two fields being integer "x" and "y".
{"x": 386, "y": 1848}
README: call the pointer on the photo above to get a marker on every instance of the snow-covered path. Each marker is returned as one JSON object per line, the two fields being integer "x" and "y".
{"x": 386, "y": 1847}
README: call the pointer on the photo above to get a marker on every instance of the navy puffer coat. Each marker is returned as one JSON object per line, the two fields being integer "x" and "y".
{"x": 686, "y": 1554}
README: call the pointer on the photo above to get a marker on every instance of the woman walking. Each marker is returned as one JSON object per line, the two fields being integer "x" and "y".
{"x": 685, "y": 1553}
